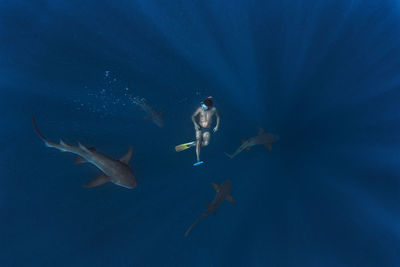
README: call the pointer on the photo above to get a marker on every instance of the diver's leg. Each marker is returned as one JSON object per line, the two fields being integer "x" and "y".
{"x": 206, "y": 139}
{"x": 198, "y": 144}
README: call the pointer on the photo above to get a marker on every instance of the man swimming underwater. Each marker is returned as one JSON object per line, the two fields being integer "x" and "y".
{"x": 205, "y": 114}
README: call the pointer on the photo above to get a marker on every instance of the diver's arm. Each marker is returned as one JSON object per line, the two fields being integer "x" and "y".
{"x": 196, "y": 126}
{"x": 218, "y": 120}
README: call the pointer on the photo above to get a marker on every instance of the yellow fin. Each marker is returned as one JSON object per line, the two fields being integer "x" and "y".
{"x": 185, "y": 146}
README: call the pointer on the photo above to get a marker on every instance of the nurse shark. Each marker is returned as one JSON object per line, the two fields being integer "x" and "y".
{"x": 223, "y": 192}
{"x": 153, "y": 115}
{"x": 263, "y": 138}
{"x": 115, "y": 171}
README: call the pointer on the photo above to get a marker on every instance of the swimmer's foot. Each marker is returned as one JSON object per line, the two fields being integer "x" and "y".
{"x": 198, "y": 163}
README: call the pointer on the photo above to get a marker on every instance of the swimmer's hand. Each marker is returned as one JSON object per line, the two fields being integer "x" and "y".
{"x": 215, "y": 129}
{"x": 197, "y": 127}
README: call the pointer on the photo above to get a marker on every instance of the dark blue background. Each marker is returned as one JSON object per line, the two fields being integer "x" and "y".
{"x": 324, "y": 74}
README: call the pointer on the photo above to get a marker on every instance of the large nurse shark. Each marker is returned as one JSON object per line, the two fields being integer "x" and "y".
{"x": 115, "y": 171}
{"x": 263, "y": 138}
{"x": 223, "y": 192}
{"x": 153, "y": 115}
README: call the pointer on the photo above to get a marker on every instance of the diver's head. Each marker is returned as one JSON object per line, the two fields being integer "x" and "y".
{"x": 207, "y": 104}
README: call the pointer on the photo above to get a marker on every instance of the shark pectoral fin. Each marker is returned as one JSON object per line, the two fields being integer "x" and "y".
{"x": 230, "y": 198}
{"x": 100, "y": 180}
{"x": 216, "y": 186}
{"x": 269, "y": 147}
{"x": 260, "y": 131}
{"x": 80, "y": 160}
{"x": 127, "y": 157}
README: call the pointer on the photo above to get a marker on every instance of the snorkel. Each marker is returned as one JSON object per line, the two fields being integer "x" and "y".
{"x": 207, "y": 104}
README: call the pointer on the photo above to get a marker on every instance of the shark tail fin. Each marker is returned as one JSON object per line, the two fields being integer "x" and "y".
{"x": 193, "y": 225}
{"x": 37, "y": 129}
{"x": 185, "y": 146}
{"x": 46, "y": 142}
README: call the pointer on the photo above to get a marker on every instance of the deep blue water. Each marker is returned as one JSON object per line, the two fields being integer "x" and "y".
{"x": 323, "y": 74}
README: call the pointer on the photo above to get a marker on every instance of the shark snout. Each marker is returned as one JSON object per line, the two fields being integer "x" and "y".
{"x": 128, "y": 182}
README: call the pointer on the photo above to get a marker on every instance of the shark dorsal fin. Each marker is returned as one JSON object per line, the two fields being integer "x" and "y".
{"x": 84, "y": 148}
{"x": 127, "y": 157}
{"x": 260, "y": 130}
{"x": 216, "y": 186}
{"x": 80, "y": 160}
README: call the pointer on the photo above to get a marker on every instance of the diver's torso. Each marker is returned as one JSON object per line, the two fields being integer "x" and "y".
{"x": 206, "y": 117}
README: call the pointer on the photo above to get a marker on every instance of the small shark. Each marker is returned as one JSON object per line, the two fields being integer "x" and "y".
{"x": 223, "y": 193}
{"x": 155, "y": 116}
{"x": 262, "y": 138}
{"x": 115, "y": 171}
